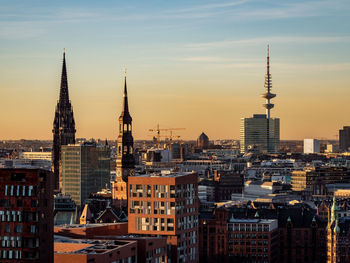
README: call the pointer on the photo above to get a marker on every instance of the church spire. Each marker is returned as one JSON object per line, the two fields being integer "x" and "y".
{"x": 64, "y": 97}
{"x": 125, "y": 97}
{"x": 63, "y": 124}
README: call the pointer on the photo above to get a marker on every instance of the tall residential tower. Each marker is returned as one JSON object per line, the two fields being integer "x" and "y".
{"x": 63, "y": 124}
{"x": 262, "y": 133}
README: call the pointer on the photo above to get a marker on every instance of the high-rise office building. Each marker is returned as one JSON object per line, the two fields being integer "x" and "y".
{"x": 344, "y": 139}
{"x": 262, "y": 133}
{"x": 85, "y": 169}
{"x": 63, "y": 124}
{"x": 166, "y": 205}
{"x": 26, "y": 215}
{"x": 311, "y": 146}
{"x": 125, "y": 151}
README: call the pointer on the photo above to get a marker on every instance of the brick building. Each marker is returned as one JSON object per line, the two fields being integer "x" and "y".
{"x": 149, "y": 249}
{"x": 272, "y": 233}
{"x": 97, "y": 251}
{"x": 338, "y": 237}
{"x": 26, "y": 215}
{"x": 166, "y": 205}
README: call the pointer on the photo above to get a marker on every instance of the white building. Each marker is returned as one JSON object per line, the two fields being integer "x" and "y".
{"x": 36, "y": 155}
{"x": 311, "y": 146}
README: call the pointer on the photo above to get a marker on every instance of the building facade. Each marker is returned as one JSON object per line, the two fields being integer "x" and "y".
{"x": 344, "y": 139}
{"x": 85, "y": 169}
{"x": 166, "y": 205}
{"x": 26, "y": 215}
{"x": 260, "y": 133}
{"x": 63, "y": 124}
{"x": 313, "y": 180}
{"x": 125, "y": 151}
{"x": 311, "y": 146}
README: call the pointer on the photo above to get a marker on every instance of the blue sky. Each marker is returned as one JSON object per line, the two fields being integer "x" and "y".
{"x": 208, "y": 55}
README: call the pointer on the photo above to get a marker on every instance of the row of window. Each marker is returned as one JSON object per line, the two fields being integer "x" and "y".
{"x": 10, "y": 216}
{"x": 253, "y": 236}
{"x": 10, "y": 254}
{"x": 19, "y": 190}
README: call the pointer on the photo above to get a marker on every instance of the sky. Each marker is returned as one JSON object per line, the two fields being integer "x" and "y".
{"x": 198, "y": 65}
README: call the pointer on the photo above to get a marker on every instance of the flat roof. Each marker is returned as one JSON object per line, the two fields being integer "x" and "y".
{"x": 164, "y": 175}
{"x": 65, "y": 245}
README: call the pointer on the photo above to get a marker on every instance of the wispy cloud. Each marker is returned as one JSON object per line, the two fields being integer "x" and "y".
{"x": 224, "y": 62}
{"x": 271, "y": 40}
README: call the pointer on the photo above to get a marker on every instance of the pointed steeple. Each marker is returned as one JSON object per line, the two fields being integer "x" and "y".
{"x": 125, "y": 97}
{"x": 125, "y": 115}
{"x": 64, "y": 97}
{"x": 63, "y": 124}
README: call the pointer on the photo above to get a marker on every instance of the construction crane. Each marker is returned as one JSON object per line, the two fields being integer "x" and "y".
{"x": 170, "y": 130}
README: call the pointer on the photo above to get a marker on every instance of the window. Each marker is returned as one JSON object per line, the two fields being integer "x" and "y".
{"x": 19, "y": 203}
{"x": 19, "y": 228}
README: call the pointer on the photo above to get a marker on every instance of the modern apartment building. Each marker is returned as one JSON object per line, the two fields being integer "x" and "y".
{"x": 26, "y": 215}
{"x": 166, "y": 205}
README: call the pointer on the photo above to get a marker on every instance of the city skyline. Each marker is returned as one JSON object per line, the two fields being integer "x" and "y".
{"x": 205, "y": 76}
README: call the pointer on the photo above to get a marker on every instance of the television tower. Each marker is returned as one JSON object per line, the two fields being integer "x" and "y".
{"x": 268, "y": 85}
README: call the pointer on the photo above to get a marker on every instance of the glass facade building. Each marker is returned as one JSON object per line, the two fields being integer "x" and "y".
{"x": 260, "y": 133}
{"x": 85, "y": 169}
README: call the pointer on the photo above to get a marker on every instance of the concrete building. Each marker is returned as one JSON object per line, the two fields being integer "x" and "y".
{"x": 65, "y": 210}
{"x": 262, "y": 133}
{"x": 311, "y": 146}
{"x": 36, "y": 155}
{"x": 166, "y": 205}
{"x": 314, "y": 180}
{"x": 26, "y": 215}
{"x": 344, "y": 139}
{"x": 85, "y": 169}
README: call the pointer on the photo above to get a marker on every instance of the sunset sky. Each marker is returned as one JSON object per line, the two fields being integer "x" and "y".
{"x": 199, "y": 65}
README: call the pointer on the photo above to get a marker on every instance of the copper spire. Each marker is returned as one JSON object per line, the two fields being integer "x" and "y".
{"x": 268, "y": 85}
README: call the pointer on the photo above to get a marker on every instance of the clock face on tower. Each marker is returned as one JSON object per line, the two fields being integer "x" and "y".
{"x": 119, "y": 173}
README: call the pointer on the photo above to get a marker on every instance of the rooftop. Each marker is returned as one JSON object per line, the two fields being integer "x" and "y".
{"x": 65, "y": 245}
{"x": 173, "y": 175}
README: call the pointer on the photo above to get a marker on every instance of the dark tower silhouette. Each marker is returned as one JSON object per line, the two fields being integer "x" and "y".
{"x": 125, "y": 150}
{"x": 63, "y": 124}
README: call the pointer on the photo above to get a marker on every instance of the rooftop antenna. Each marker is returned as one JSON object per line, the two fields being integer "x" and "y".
{"x": 268, "y": 85}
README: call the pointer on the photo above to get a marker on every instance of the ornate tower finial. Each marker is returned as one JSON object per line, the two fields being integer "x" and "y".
{"x": 268, "y": 85}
